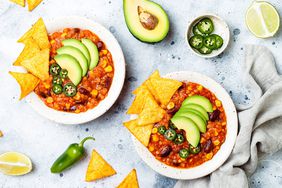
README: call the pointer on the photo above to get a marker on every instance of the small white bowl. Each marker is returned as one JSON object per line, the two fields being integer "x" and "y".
{"x": 117, "y": 83}
{"x": 220, "y": 28}
{"x": 226, "y": 148}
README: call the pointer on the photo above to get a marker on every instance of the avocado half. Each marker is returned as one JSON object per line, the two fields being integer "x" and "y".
{"x": 146, "y": 20}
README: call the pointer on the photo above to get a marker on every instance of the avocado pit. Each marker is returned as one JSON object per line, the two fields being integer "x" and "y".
{"x": 148, "y": 20}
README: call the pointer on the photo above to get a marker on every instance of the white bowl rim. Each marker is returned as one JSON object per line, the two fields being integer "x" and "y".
{"x": 58, "y": 24}
{"x": 214, "y": 53}
{"x": 220, "y": 157}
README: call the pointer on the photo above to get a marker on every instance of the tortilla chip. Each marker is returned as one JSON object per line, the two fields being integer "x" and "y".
{"x": 151, "y": 112}
{"x": 27, "y": 82}
{"x": 32, "y": 4}
{"x": 38, "y": 65}
{"x": 165, "y": 88}
{"x": 30, "y": 50}
{"x": 156, "y": 74}
{"x": 139, "y": 101}
{"x": 98, "y": 168}
{"x": 130, "y": 181}
{"x": 39, "y": 33}
{"x": 19, "y": 2}
{"x": 142, "y": 133}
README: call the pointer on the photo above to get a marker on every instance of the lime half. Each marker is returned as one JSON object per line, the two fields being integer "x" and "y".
{"x": 262, "y": 19}
{"x": 15, "y": 164}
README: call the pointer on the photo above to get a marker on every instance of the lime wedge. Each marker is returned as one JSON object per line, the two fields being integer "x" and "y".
{"x": 15, "y": 164}
{"x": 262, "y": 19}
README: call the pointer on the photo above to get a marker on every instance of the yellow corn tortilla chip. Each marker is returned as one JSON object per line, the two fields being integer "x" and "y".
{"x": 151, "y": 112}
{"x": 139, "y": 101}
{"x": 98, "y": 168}
{"x": 165, "y": 88}
{"x": 32, "y": 4}
{"x": 142, "y": 133}
{"x": 130, "y": 181}
{"x": 39, "y": 33}
{"x": 156, "y": 74}
{"x": 30, "y": 49}
{"x": 38, "y": 65}
{"x": 27, "y": 82}
{"x": 19, "y": 2}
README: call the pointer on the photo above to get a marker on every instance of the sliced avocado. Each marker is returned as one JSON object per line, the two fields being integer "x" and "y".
{"x": 200, "y": 100}
{"x": 71, "y": 65}
{"x": 181, "y": 110}
{"x": 198, "y": 108}
{"x": 77, "y": 44}
{"x": 146, "y": 20}
{"x": 93, "y": 51}
{"x": 201, "y": 123}
{"x": 77, "y": 54}
{"x": 191, "y": 129}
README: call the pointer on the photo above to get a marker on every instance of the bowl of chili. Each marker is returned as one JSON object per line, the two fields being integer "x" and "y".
{"x": 194, "y": 162}
{"x": 98, "y": 89}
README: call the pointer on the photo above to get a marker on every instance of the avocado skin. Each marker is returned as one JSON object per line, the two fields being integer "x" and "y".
{"x": 148, "y": 42}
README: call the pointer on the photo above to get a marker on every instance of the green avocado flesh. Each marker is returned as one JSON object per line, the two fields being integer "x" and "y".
{"x": 197, "y": 107}
{"x": 146, "y": 20}
{"x": 191, "y": 129}
{"x": 195, "y": 118}
{"x": 181, "y": 110}
{"x": 200, "y": 100}
{"x": 94, "y": 53}
{"x": 77, "y": 54}
{"x": 77, "y": 44}
{"x": 71, "y": 65}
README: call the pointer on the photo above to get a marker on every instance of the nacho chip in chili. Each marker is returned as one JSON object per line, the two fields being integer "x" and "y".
{"x": 137, "y": 106}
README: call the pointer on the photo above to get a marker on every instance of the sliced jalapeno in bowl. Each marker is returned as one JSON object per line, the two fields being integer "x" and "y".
{"x": 194, "y": 150}
{"x": 69, "y": 90}
{"x": 205, "y": 26}
{"x": 184, "y": 153}
{"x": 57, "y": 80}
{"x": 179, "y": 139}
{"x": 57, "y": 89}
{"x": 172, "y": 126}
{"x": 54, "y": 69}
{"x": 204, "y": 50}
{"x": 63, "y": 73}
{"x": 210, "y": 42}
{"x": 161, "y": 129}
{"x": 196, "y": 31}
{"x": 170, "y": 134}
{"x": 196, "y": 41}
{"x": 218, "y": 41}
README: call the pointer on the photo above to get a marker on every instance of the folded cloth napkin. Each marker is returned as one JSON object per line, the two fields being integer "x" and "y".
{"x": 260, "y": 130}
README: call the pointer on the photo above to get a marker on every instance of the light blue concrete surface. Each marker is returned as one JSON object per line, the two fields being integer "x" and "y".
{"x": 42, "y": 140}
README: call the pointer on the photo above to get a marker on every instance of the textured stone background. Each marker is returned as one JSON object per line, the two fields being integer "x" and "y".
{"x": 42, "y": 140}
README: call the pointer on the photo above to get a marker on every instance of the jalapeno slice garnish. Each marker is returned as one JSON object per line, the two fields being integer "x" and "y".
{"x": 179, "y": 139}
{"x": 218, "y": 41}
{"x": 205, "y": 50}
{"x": 161, "y": 129}
{"x": 172, "y": 126}
{"x": 63, "y": 73}
{"x": 210, "y": 42}
{"x": 184, "y": 153}
{"x": 57, "y": 80}
{"x": 194, "y": 150}
{"x": 54, "y": 69}
{"x": 196, "y": 31}
{"x": 196, "y": 41}
{"x": 205, "y": 26}
{"x": 170, "y": 134}
{"x": 69, "y": 90}
{"x": 57, "y": 89}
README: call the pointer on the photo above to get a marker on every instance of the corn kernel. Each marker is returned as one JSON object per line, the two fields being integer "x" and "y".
{"x": 1, "y": 134}
{"x": 217, "y": 103}
{"x": 104, "y": 63}
{"x": 214, "y": 108}
{"x": 151, "y": 148}
{"x": 154, "y": 130}
{"x": 105, "y": 52}
{"x": 155, "y": 138}
{"x": 52, "y": 41}
{"x": 170, "y": 105}
{"x": 47, "y": 86}
{"x": 216, "y": 142}
{"x": 209, "y": 155}
{"x": 94, "y": 92}
{"x": 223, "y": 123}
{"x": 215, "y": 133}
{"x": 109, "y": 69}
{"x": 49, "y": 100}
{"x": 77, "y": 111}
{"x": 67, "y": 105}
{"x": 64, "y": 34}
{"x": 200, "y": 88}
{"x": 76, "y": 97}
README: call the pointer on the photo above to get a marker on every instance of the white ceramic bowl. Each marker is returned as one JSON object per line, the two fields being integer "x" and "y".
{"x": 220, "y": 28}
{"x": 225, "y": 150}
{"x": 118, "y": 80}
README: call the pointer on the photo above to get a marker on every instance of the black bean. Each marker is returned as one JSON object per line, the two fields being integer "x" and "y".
{"x": 165, "y": 151}
{"x": 208, "y": 146}
{"x": 100, "y": 45}
{"x": 83, "y": 91}
{"x": 214, "y": 115}
{"x": 73, "y": 108}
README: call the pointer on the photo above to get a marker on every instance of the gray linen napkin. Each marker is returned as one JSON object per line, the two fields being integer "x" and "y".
{"x": 260, "y": 124}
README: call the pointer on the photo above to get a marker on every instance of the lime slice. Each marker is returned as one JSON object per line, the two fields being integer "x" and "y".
{"x": 15, "y": 164}
{"x": 262, "y": 19}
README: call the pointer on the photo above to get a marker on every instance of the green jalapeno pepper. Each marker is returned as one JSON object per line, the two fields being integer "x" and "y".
{"x": 73, "y": 153}
{"x": 57, "y": 89}
{"x": 54, "y": 69}
{"x": 161, "y": 129}
{"x": 69, "y": 90}
{"x": 194, "y": 150}
{"x": 196, "y": 41}
{"x": 184, "y": 153}
{"x": 57, "y": 80}
{"x": 179, "y": 139}
{"x": 205, "y": 26}
{"x": 63, "y": 73}
{"x": 205, "y": 50}
{"x": 172, "y": 126}
{"x": 170, "y": 134}
{"x": 210, "y": 42}
{"x": 218, "y": 41}
{"x": 196, "y": 31}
